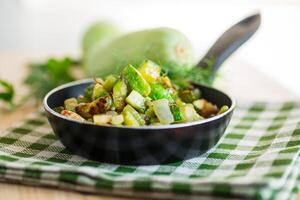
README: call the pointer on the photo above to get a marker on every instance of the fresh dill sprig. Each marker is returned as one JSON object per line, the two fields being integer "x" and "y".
{"x": 195, "y": 74}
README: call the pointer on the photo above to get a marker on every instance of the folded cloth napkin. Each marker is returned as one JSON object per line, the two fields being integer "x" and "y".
{"x": 258, "y": 157}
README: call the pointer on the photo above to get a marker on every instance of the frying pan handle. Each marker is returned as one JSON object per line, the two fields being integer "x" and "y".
{"x": 230, "y": 41}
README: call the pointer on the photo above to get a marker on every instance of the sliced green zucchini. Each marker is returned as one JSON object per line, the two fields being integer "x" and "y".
{"x": 135, "y": 114}
{"x": 136, "y": 100}
{"x": 119, "y": 94}
{"x": 150, "y": 71}
{"x": 136, "y": 81}
{"x": 190, "y": 113}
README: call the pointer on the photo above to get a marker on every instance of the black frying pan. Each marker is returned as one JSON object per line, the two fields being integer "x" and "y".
{"x": 150, "y": 144}
{"x": 136, "y": 145}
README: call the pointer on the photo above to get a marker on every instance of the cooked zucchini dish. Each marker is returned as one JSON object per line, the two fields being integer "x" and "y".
{"x": 138, "y": 97}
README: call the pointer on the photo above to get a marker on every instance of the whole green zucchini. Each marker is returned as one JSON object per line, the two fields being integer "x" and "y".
{"x": 98, "y": 34}
{"x": 167, "y": 47}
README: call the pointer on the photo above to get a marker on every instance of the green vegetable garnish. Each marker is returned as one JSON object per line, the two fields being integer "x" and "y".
{"x": 46, "y": 76}
{"x": 7, "y": 92}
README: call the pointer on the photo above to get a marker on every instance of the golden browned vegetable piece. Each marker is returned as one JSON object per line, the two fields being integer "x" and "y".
{"x": 98, "y": 106}
{"x": 72, "y": 115}
{"x": 205, "y": 108}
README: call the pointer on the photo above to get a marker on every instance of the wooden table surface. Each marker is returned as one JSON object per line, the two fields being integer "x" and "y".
{"x": 237, "y": 78}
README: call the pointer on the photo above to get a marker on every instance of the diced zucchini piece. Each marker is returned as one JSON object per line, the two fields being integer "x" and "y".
{"x": 156, "y": 124}
{"x": 198, "y": 104}
{"x": 59, "y": 109}
{"x": 180, "y": 83}
{"x": 136, "y": 81}
{"x": 98, "y": 106}
{"x": 101, "y": 104}
{"x": 149, "y": 115}
{"x": 99, "y": 80}
{"x": 148, "y": 102}
{"x": 154, "y": 120}
{"x": 99, "y": 91}
{"x": 150, "y": 71}
{"x": 150, "y": 112}
{"x": 162, "y": 111}
{"x": 72, "y": 115}
{"x": 109, "y": 82}
{"x": 159, "y": 92}
{"x": 209, "y": 109}
{"x": 205, "y": 108}
{"x": 129, "y": 119}
{"x": 70, "y": 104}
{"x": 142, "y": 115}
{"x": 112, "y": 113}
{"x": 165, "y": 81}
{"x": 117, "y": 119}
{"x": 119, "y": 94}
{"x": 113, "y": 108}
{"x": 136, "y": 100}
{"x": 190, "y": 113}
{"x": 188, "y": 96}
{"x": 83, "y": 109}
{"x": 179, "y": 102}
{"x": 223, "y": 109}
{"x": 135, "y": 114}
{"x": 82, "y": 99}
{"x": 177, "y": 114}
{"x": 102, "y": 119}
{"x": 197, "y": 93}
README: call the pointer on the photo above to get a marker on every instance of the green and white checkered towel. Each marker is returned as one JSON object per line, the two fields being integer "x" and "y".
{"x": 258, "y": 157}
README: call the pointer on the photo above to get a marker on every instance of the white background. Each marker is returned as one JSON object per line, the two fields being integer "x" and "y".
{"x": 56, "y": 26}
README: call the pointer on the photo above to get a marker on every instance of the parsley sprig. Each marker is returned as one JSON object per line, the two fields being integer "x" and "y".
{"x": 45, "y": 76}
{"x": 7, "y": 92}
